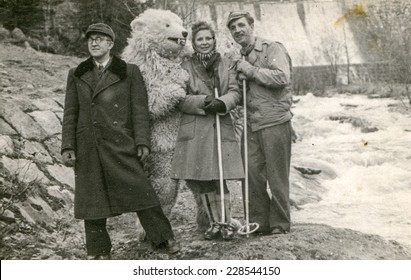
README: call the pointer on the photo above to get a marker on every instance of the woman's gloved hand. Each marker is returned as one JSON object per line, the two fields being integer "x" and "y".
{"x": 208, "y": 100}
{"x": 215, "y": 106}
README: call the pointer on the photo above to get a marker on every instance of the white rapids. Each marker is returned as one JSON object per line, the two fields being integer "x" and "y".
{"x": 372, "y": 190}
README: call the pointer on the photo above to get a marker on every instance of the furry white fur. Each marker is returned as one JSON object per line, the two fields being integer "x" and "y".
{"x": 155, "y": 46}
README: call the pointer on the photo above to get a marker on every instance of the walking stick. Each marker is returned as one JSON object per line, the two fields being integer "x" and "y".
{"x": 220, "y": 162}
{"x": 245, "y": 230}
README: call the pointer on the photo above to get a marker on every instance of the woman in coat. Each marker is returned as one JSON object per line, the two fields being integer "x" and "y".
{"x": 196, "y": 157}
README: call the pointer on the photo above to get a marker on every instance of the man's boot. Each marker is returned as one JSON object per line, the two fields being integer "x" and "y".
{"x": 227, "y": 231}
{"x": 213, "y": 212}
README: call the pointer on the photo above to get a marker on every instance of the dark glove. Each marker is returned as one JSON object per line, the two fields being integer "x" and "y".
{"x": 208, "y": 100}
{"x": 215, "y": 106}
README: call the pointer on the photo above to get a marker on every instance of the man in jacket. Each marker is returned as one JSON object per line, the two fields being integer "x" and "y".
{"x": 266, "y": 67}
{"x": 106, "y": 137}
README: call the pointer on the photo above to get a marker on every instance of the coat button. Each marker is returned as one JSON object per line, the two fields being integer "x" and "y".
{"x": 115, "y": 122}
{"x": 95, "y": 123}
{"x": 115, "y": 106}
{"x": 92, "y": 104}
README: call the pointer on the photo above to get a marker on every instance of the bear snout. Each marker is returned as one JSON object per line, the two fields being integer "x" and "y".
{"x": 185, "y": 33}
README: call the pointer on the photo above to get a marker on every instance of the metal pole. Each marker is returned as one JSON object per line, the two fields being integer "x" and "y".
{"x": 247, "y": 215}
{"x": 220, "y": 162}
{"x": 246, "y": 231}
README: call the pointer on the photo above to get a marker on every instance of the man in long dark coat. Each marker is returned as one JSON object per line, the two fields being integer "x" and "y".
{"x": 106, "y": 137}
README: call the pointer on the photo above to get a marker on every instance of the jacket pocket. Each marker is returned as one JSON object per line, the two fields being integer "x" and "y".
{"x": 227, "y": 129}
{"x": 187, "y": 127}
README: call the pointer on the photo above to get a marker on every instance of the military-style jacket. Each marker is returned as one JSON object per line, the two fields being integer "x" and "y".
{"x": 269, "y": 85}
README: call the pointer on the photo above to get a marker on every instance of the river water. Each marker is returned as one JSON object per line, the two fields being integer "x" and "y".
{"x": 372, "y": 190}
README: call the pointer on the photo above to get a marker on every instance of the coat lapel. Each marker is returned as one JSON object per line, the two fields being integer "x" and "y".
{"x": 107, "y": 80}
{"x": 115, "y": 72}
{"x": 88, "y": 79}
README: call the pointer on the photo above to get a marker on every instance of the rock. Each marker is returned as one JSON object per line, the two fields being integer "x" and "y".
{"x": 6, "y": 145}
{"x": 48, "y": 121}
{"x": 26, "y": 216}
{"x": 347, "y": 105}
{"x": 6, "y": 129}
{"x": 60, "y": 89}
{"x": 4, "y": 33}
{"x": 18, "y": 35}
{"x": 24, "y": 125}
{"x": 59, "y": 116}
{"x": 12, "y": 89}
{"x": 47, "y": 104}
{"x": 61, "y": 193}
{"x": 364, "y": 125}
{"x": 369, "y": 129}
{"x": 5, "y": 82}
{"x": 24, "y": 104}
{"x": 59, "y": 99}
{"x": 63, "y": 174}
{"x": 53, "y": 145}
{"x": 40, "y": 205}
{"x": 374, "y": 96}
{"x": 36, "y": 210}
{"x": 307, "y": 170}
{"x": 9, "y": 215}
{"x": 25, "y": 170}
{"x": 36, "y": 150}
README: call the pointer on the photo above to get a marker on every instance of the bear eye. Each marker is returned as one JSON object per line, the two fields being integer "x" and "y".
{"x": 167, "y": 25}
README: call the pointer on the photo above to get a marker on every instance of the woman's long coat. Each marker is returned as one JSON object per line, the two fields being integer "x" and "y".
{"x": 195, "y": 155}
{"x": 104, "y": 121}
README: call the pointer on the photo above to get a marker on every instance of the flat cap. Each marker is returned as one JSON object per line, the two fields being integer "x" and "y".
{"x": 101, "y": 28}
{"x": 238, "y": 14}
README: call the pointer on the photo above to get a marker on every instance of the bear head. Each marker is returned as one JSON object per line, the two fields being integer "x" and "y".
{"x": 161, "y": 31}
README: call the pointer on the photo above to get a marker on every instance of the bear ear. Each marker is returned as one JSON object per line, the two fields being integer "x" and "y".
{"x": 137, "y": 25}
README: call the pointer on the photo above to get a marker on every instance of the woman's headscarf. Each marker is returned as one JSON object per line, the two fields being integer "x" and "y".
{"x": 207, "y": 59}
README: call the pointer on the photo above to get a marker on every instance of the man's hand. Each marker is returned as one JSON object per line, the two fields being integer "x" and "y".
{"x": 244, "y": 67}
{"x": 215, "y": 106}
{"x": 241, "y": 77}
{"x": 142, "y": 152}
{"x": 69, "y": 158}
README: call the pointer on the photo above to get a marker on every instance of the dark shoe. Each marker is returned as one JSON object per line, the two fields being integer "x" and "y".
{"x": 213, "y": 232}
{"x": 278, "y": 230}
{"x": 99, "y": 257}
{"x": 263, "y": 231}
{"x": 228, "y": 231}
{"x": 172, "y": 246}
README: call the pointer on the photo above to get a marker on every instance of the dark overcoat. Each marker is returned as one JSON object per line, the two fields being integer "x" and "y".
{"x": 104, "y": 121}
{"x": 195, "y": 155}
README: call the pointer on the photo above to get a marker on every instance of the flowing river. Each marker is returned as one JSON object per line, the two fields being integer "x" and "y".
{"x": 372, "y": 190}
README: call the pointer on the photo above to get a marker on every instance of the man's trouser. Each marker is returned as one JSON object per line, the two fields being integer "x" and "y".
{"x": 269, "y": 155}
{"x": 153, "y": 221}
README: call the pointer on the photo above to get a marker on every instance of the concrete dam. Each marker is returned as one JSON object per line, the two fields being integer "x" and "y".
{"x": 314, "y": 32}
